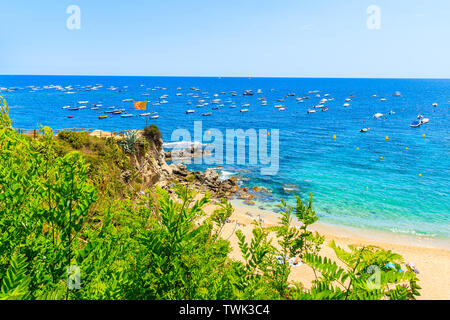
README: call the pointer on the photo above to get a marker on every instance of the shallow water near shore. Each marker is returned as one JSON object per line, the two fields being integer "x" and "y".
{"x": 352, "y": 185}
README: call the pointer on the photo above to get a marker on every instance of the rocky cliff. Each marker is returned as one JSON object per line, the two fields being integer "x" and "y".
{"x": 154, "y": 170}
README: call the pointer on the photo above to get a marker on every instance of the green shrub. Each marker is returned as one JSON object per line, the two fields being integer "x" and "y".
{"x": 76, "y": 140}
{"x": 152, "y": 134}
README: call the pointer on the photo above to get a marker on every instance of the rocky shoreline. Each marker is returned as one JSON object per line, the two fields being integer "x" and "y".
{"x": 155, "y": 171}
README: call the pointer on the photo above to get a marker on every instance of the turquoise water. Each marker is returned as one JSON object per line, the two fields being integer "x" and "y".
{"x": 351, "y": 187}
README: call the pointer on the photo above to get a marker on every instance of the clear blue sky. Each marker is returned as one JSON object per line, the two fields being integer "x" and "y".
{"x": 297, "y": 38}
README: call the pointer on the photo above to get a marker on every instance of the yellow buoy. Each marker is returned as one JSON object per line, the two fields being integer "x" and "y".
{"x": 387, "y": 138}
{"x": 334, "y": 137}
{"x": 423, "y": 136}
{"x": 268, "y": 133}
{"x": 381, "y": 158}
{"x": 420, "y": 174}
{"x": 357, "y": 148}
{"x": 367, "y": 188}
{"x": 406, "y": 148}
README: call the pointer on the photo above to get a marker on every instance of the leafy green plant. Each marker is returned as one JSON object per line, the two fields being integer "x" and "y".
{"x": 130, "y": 142}
{"x": 366, "y": 275}
{"x": 152, "y": 134}
{"x": 5, "y": 121}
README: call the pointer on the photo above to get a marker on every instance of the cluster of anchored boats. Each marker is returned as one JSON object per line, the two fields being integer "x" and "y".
{"x": 200, "y": 100}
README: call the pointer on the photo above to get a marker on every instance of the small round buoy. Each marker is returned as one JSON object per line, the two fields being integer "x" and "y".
{"x": 406, "y": 148}
{"x": 420, "y": 174}
{"x": 334, "y": 137}
{"x": 268, "y": 134}
{"x": 423, "y": 136}
{"x": 357, "y": 148}
{"x": 387, "y": 138}
{"x": 367, "y": 188}
{"x": 381, "y": 157}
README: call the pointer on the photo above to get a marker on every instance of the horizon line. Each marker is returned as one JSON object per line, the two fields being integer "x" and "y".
{"x": 217, "y": 76}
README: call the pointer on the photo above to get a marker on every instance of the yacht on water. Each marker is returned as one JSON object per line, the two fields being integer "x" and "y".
{"x": 378, "y": 115}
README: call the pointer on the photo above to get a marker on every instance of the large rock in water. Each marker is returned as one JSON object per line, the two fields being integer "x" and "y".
{"x": 244, "y": 194}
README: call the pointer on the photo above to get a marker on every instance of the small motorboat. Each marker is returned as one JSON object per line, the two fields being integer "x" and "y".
{"x": 154, "y": 117}
{"x": 244, "y": 110}
{"x": 207, "y": 114}
{"x": 83, "y": 102}
{"x": 145, "y": 114}
{"x": 127, "y": 115}
{"x": 416, "y": 123}
{"x": 378, "y": 115}
{"x": 66, "y": 107}
{"x": 435, "y": 104}
{"x": 73, "y": 109}
{"x": 190, "y": 111}
{"x": 102, "y": 117}
{"x": 346, "y": 104}
{"x": 425, "y": 120}
{"x": 324, "y": 109}
{"x": 70, "y": 117}
{"x": 364, "y": 130}
{"x": 127, "y": 100}
{"x": 311, "y": 111}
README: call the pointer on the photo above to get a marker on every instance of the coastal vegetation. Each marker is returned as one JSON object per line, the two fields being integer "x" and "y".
{"x": 72, "y": 227}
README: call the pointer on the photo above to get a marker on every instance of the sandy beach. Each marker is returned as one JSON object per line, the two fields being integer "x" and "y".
{"x": 431, "y": 258}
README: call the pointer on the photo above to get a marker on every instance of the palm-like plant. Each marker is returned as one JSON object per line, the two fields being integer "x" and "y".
{"x": 130, "y": 142}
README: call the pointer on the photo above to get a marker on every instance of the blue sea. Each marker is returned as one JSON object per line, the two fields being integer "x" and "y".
{"x": 352, "y": 185}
